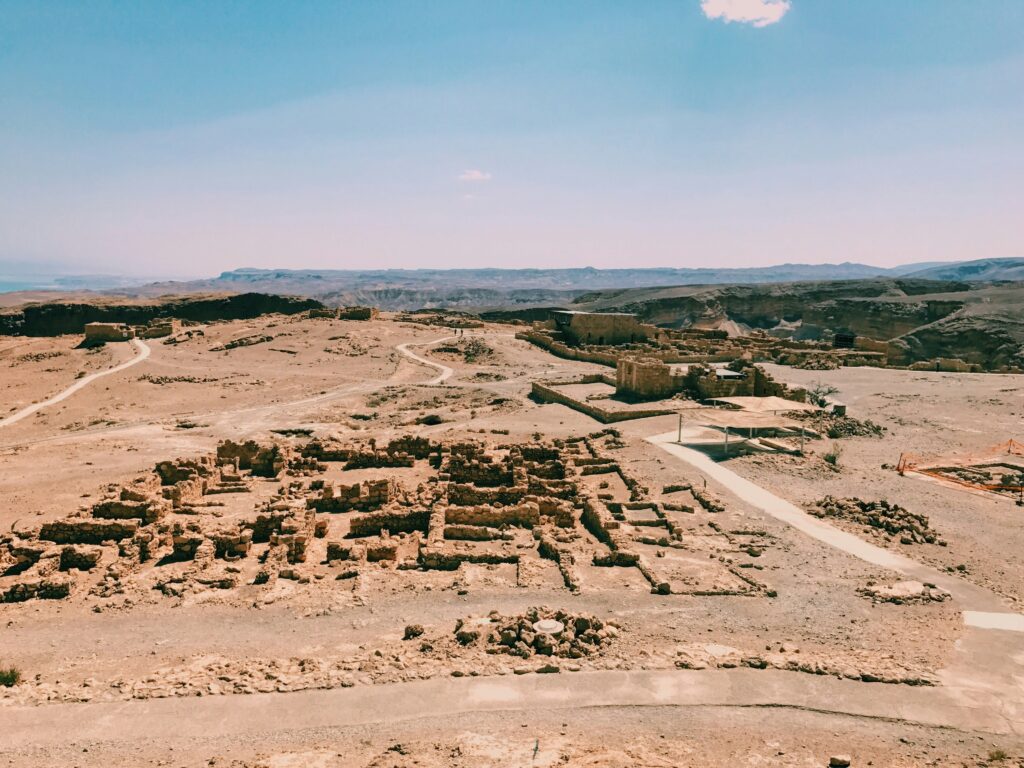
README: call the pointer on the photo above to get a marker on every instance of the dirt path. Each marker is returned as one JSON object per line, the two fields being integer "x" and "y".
{"x": 251, "y": 417}
{"x": 144, "y": 352}
{"x": 445, "y": 698}
{"x": 445, "y": 371}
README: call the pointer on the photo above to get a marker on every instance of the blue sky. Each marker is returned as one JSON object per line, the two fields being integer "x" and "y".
{"x": 190, "y": 137}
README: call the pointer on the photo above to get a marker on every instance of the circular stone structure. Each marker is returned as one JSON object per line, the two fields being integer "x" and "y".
{"x": 549, "y": 626}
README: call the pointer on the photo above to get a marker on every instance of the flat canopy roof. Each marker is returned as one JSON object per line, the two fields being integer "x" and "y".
{"x": 722, "y": 418}
{"x": 770, "y": 404}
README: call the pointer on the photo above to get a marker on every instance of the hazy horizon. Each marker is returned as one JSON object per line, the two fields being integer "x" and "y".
{"x": 192, "y": 138}
{"x": 28, "y": 276}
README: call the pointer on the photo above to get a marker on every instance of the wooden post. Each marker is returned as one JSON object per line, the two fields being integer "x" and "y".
{"x": 679, "y": 439}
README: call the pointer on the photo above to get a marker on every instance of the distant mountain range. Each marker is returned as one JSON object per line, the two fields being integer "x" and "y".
{"x": 982, "y": 271}
{"x": 589, "y": 278}
{"x": 581, "y": 278}
{"x": 402, "y": 289}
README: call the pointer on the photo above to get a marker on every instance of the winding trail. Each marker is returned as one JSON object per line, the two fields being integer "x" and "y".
{"x": 252, "y": 416}
{"x": 445, "y": 371}
{"x": 139, "y": 344}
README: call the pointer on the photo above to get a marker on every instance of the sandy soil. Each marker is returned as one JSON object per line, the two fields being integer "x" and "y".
{"x": 928, "y": 414}
{"x": 351, "y": 380}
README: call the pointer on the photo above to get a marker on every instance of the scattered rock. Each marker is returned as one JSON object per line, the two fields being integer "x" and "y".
{"x": 888, "y": 519}
{"x": 904, "y": 592}
{"x": 541, "y": 632}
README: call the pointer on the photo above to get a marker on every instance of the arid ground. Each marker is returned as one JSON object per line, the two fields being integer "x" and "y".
{"x": 784, "y": 639}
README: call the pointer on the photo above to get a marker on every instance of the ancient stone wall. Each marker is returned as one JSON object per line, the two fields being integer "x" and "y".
{"x": 100, "y": 333}
{"x": 85, "y": 531}
{"x": 261, "y": 460}
{"x": 365, "y": 496}
{"x": 393, "y": 521}
{"x": 601, "y": 328}
{"x": 358, "y": 313}
{"x": 646, "y": 379}
{"x": 544, "y": 393}
{"x": 523, "y": 515}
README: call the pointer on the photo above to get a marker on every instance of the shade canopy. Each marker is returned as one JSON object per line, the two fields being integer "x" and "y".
{"x": 770, "y": 404}
{"x": 722, "y": 418}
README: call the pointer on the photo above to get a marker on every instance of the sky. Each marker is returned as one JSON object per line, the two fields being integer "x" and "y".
{"x": 187, "y": 138}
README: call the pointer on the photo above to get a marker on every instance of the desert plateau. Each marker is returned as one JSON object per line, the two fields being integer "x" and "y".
{"x": 461, "y": 384}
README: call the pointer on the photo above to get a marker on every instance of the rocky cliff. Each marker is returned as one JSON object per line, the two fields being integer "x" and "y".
{"x": 56, "y": 318}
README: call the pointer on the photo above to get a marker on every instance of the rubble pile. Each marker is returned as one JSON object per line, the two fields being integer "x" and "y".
{"x": 542, "y": 632}
{"x": 468, "y": 349}
{"x": 817, "y": 363}
{"x": 879, "y": 517}
{"x": 837, "y": 426}
{"x": 904, "y": 593}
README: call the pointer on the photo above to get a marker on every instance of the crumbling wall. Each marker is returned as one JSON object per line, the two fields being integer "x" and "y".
{"x": 465, "y": 494}
{"x": 601, "y": 327}
{"x": 148, "y": 511}
{"x": 367, "y": 495}
{"x": 523, "y": 515}
{"x": 86, "y": 531}
{"x": 100, "y": 333}
{"x": 478, "y": 471}
{"x": 261, "y": 460}
{"x": 646, "y": 379}
{"x": 367, "y": 459}
{"x": 393, "y": 521}
{"x": 358, "y": 313}
{"x": 171, "y": 472}
{"x": 704, "y": 383}
{"x": 545, "y": 393}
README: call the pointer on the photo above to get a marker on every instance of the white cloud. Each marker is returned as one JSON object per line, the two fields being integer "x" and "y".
{"x": 474, "y": 175}
{"x": 760, "y": 13}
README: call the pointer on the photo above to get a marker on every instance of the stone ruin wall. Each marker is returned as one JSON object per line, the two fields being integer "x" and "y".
{"x": 346, "y": 313}
{"x": 605, "y": 328}
{"x": 487, "y": 505}
{"x": 646, "y": 379}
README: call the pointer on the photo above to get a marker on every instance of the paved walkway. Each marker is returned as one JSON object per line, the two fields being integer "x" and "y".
{"x": 143, "y": 353}
{"x": 441, "y": 698}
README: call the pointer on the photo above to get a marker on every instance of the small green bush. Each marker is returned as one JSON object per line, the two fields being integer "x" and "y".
{"x": 10, "y": 676}
{"x": 832, "y": 457}
{"x": 819, "y": 393}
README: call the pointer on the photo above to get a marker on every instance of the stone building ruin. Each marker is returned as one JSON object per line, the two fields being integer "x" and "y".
{"x": 252, "y": 513}
{"x": 601, "y": 327}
